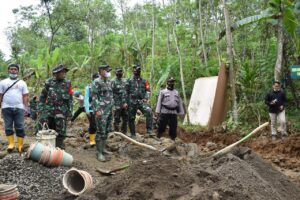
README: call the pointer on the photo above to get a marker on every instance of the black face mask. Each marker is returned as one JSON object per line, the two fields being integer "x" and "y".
{"x": 137, "y": 72}
{"x": 170, "y": 86}
{"x": 119, "y": 75}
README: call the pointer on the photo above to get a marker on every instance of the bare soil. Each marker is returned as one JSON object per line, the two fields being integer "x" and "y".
{"x": 260, "y": 169}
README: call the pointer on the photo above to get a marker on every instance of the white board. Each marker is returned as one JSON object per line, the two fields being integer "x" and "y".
{"x": 202, "y": 100}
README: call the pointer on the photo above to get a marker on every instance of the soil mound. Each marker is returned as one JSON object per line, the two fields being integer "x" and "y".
{"x": 242, "y": 175}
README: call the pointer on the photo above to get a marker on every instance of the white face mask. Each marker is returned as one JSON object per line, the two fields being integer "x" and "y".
{"x": 107, "y": 74}
{"x": 13, "y": 75}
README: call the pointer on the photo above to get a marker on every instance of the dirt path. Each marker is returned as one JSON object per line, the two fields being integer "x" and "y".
{"x": 183, "y": 173}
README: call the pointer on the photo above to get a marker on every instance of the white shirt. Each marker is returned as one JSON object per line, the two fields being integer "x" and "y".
{"x": 80, "y": 100}
{"x": 13, "y": 98}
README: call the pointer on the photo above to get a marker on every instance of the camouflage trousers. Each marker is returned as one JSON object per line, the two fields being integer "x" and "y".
{"x": 146, "y": 110}
{"x": 56, "y": 122}
{"x": 119, "y": 114}
{"x": 104, "y": 125}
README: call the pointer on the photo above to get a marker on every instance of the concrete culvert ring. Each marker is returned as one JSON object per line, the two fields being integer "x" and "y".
{"x": 76, "y": 182}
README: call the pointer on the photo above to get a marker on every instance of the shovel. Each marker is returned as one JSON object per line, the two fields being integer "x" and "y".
{"x": 112, "y": 171}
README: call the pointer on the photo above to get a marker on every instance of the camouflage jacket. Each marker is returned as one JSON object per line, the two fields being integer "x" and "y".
{"x": 102, "y": 96}
{"x": 137, "y": 89}
{"x": 119, "y": 92}
{"x": 33, "y": 105}
{"x": 57, "y": 97}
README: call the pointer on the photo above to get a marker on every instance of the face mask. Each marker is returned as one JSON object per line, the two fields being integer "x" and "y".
{"x": 107, "y": 74}
{"x": 119, "y": 75}
{"x": 137, "y": 73}
{"x": 13, "y": 75}
{"x": 170, "y": 86}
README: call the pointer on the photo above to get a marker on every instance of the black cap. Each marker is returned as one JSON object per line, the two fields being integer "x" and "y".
{"x": 118, "y": 69}
{"x": 13, "y": 65}
{"x": 104, "y": 67}
{"x": 137, "y": 67}
{"x": 171, "y": 79}
{"x": 59, "y": 68}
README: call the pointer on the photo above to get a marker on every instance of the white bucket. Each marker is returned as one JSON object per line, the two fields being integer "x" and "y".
{"x": 47, "y": 140}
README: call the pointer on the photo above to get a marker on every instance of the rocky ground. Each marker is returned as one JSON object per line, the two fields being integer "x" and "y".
{"x": 260, "y": 169}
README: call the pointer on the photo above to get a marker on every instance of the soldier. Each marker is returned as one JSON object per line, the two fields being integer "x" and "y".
{"x": 102, "y": 102}
{"x": 118, "y": 87}
{"x": 138, "y": 92}
{"x": 56, "y": 103}
{"x": 169, "y": 105}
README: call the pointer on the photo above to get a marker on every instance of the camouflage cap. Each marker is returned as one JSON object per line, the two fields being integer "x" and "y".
{"x": 137, "y": 67}
{"x": 119, "y": 69}
{"x": 59, "y": 68}
{"x": 104, "y": 67}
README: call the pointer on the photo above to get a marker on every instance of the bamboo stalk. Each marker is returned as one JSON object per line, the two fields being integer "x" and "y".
{"x": 228, "y": 148}
{"x": 135, "y": 142}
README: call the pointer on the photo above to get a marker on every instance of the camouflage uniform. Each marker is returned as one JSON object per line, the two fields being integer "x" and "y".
{"x": 102, "y": 101}
{"x": 56, "y": 104}
{"x": 137, "y": 93}
{"x": 118, "y": 87}
{"x": 33, "y": 108}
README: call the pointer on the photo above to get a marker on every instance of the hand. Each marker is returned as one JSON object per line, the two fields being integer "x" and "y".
{"x": 281, "y": 107}
{"x": 156, "y": 114}
{"x": 99, "y": 114}
{"x": 273, "y": 101}
{"x": 88, "y": 115}
{"x": 125, "y": 105}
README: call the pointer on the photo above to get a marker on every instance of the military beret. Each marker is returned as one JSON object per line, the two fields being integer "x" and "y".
{"x": 171, "y": 79}
{"x": 59, "y": 68}
{"x": 104, "y": 67}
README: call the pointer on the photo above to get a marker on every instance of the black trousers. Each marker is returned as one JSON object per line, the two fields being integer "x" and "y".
{"x": 171, "y": 121}
{"x": 92, "y": 125}
{"x": 77, "y": 113}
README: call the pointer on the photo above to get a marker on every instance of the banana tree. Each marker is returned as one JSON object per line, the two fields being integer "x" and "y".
{"x": 285, "y": 15}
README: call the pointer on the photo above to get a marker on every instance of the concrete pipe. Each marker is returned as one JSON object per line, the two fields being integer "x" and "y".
{"x": 77, "y": 181}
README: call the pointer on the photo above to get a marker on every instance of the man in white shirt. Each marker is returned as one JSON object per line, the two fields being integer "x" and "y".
{"x": 14, "y": 104}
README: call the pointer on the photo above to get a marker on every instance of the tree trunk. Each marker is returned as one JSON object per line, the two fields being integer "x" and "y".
{"x": 138, "y": 45}
{"x": 201, "y": 33}
{"x": 153, "y": 41}
{"x": 280, "y": 41}
{"x": 126, "y": 60}
{"x": 231, "y": 63}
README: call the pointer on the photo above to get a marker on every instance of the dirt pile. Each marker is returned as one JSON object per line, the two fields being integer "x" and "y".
{"x": 34, "y": 181}
{"x": 242, "y": 175}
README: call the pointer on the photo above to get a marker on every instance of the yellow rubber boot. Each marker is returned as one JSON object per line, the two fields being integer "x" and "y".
{"x": 20, "y": 144}
{"x": 92, "y": 139}
{"x": 11, "y": 143}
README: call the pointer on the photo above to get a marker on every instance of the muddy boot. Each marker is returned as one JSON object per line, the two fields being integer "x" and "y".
{"x": 100, "y": 149}
{"x": 116, "y": 127}
{"x": 11, "y": 143}
{"x": 105, "y": 151}
{"x": 20, "y": 144}
{"x": 60, "y": 142}
{"x": 132, "y": 129}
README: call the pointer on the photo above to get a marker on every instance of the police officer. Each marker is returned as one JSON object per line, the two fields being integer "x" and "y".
{"x": 102, "y": 102}
{"x": 56, "y": 103}
{"x": 118, "y": 86}
{"x": 138, "y": 93}
{"x": 169, "y": 105}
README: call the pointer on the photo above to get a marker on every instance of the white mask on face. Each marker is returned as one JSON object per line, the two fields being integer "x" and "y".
{"x": 107, "y": 74}
{"x": 13, "y": 75}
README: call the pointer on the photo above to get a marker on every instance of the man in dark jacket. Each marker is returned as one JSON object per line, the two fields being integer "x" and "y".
{"x": 276, "y": 100}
